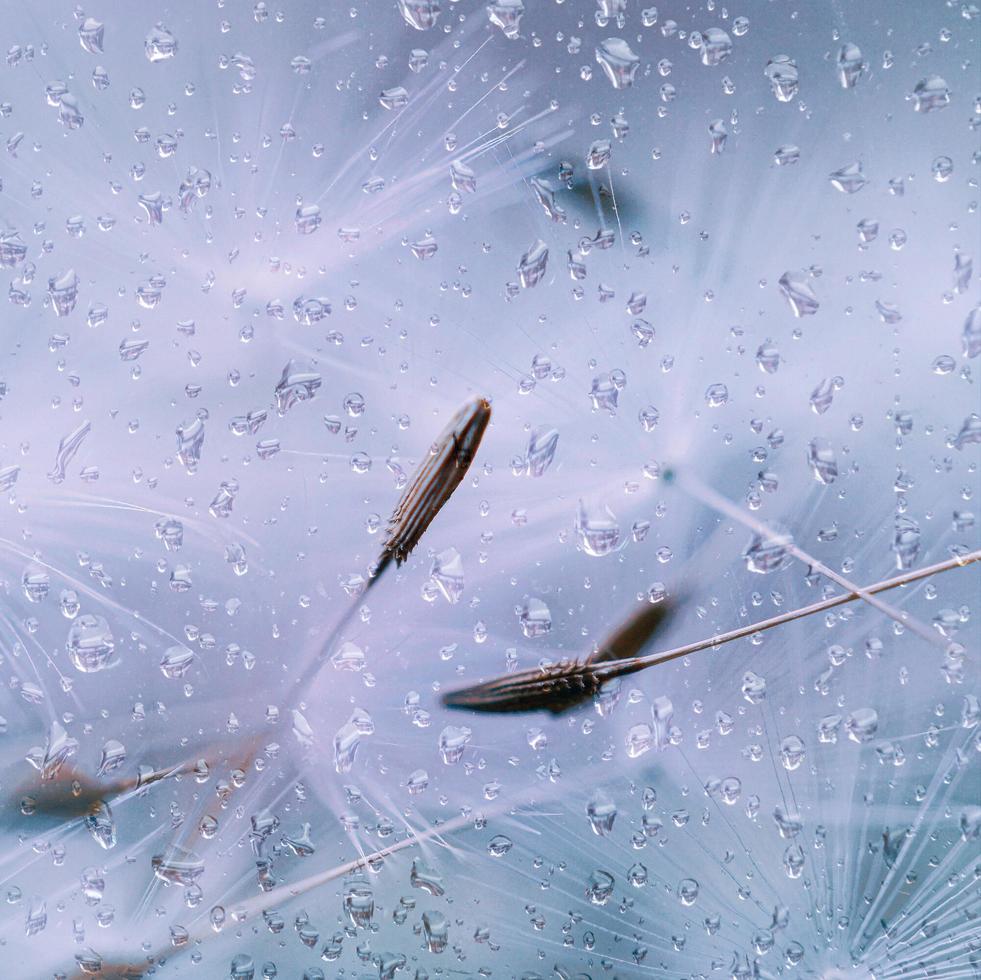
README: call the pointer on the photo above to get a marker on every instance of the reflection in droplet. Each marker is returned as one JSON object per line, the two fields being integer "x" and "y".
{"x": 618, "y": 62}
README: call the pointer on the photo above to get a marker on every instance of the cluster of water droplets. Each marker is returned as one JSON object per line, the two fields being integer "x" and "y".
{"x": 256, "y": 256}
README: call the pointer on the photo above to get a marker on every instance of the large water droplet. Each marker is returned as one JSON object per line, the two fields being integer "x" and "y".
{"x": 931, "y": 93}
{"x": 783, "y": 76}
{"x": 420, "y": 14}
{"x": 770, "y": 552}
{"x": 822, "y": 460}
{"x": 602, "y": 812}
{"x": 598, "y": 530}
{"x": 618, "y": 62}
{"x": 716, "y": 46}
{"x": 160, "y": 44}
{"x": 90, "y": 644}
{"x": 534, "y": 618}
{"x": 531, "y": 267}
{"x": 506, "y": 14}
{"x": 799, "y": 293}
{"x": 850, "y": 65}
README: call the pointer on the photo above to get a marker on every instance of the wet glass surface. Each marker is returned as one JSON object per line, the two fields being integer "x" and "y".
{"x": 380, "y": 381}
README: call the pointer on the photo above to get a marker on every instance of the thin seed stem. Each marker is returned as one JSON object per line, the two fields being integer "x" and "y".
{"x": 308, "y": 675}
{"x": 892, "y": 583}
{"x": 284, "y": 893}
{"x": 287, "y": 892}
{"x": 716, "y": 501}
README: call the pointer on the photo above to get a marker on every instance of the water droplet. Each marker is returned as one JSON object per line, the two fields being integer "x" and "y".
{"x": 307, "y": 218}
{"x": 299, "y": 844}
{"x": 541, "y": 450}
{"x": 715, "y": 46}
{"x": 394, "y": 98}
{"x": 420, "y": 14}
{"x": 783, "y": 77}
{"x": 36, "y": 583}
{"x": 100, "y": 824}
{"x": 768, "y": 553}
{"x": 418, "y": 60}
{"x": 618, "y": 62}
{"x": 823, "y": 395}
{"x": 531, "y": 267}
{"x": 688, "y": 891}
{"x": 888, "y": 312}
{"x": 242, "y": 967}
{"x": 862, "y": 724}
{"x": 534, "y": 618}
{"x": 639, "y": 739}
{"x": 602, "y": 812}
{"x": 799, "y": 293}
{"x": 768, "y": 357}
{"x": 113, "y": 757}
{"x": 348, "y": 738}
{"x": 91, "y": 35}
{"x": 791, "y": 752}
{"x": 970, "y": 432}
{"x": 730, "y": 790}
{"x": 63, "y": 291}
{"x": 793, "y": 861}
{"x": 906, "y": 542}
{"x": 453, "y": 741}
{"x": 160, "y": 44}
{"x": 971, "y": 334}
{"x": 970, "y": 823}
{"x": 599, "y": 887}
{"x": 178, "y": 866}
{"x": 942, "y": 169}
{"x": 435, "y": 929}
{"x": 447, "y": 573}
{"x": 931, "y": 93}
{"x": 848, "y": 179}
{"x": 506, "y": 14}
{"x": 963, "y": 270}
{"x": 718, "y": 134}
{"x": 850, "y": 65}
{"x": 753, "y": 687}
{"x": 605, "y": 393}
{"x": 786, "y": 155}
{"x": 648, "y": 418}
{"x": 298, "y": 383}
{"x": 637, "y": 875}
{"x": 90, "y": 644}
{"x": 417, "y": 782}
{"x": 462, "y": 177}
{"x": 716, "y": 395}
{"x": 176, "y": 662}
{"x": 546, "y": 198}
{"x": 598, "y": 530}
{"x": 822, "y": 460}
{"x": 599, "y": 154}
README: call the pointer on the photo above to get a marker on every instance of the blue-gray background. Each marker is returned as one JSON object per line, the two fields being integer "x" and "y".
{"x": 416, "y": 338}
